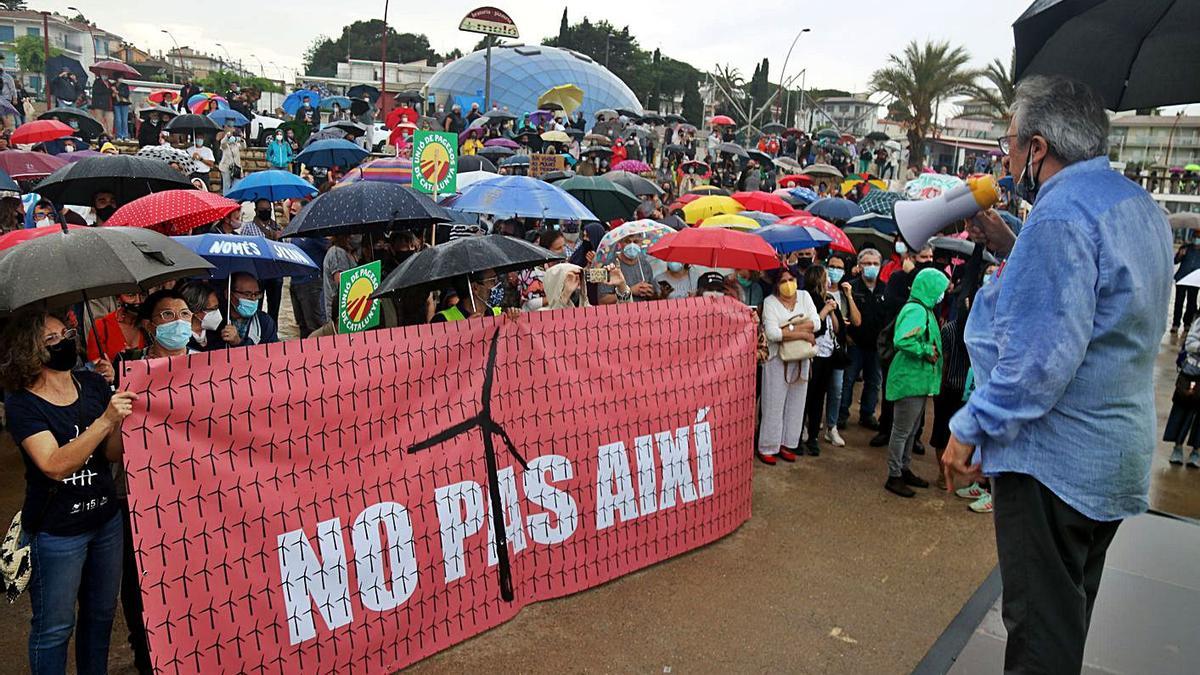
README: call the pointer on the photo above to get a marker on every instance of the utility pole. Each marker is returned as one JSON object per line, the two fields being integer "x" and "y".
{"x": 383, "y": 57}
{"x": 46, "y": 53}
{"x": 178, "y": 55}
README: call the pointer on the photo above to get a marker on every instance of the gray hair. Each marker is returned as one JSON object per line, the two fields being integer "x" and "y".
{"x": 1063, "y": 111}
{"x": 869, "y": 251}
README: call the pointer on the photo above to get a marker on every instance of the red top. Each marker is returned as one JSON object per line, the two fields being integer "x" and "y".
{"x": 108, "y": 335}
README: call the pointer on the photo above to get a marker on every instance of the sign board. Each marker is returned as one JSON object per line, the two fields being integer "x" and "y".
{"x": 489, "y": 21}
{"x": 542, "y": 164}
{"x": 356, "y": 310}
{"x": 435, "y": 162}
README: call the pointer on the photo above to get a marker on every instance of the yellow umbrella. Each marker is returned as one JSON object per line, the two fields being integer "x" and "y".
{"x": 556, "y": 136}
{"x": 731, "y": 221}
{"x": 850, "y": 183}
{"x": 568, "y": 96}
{"x": 707, "y": 207}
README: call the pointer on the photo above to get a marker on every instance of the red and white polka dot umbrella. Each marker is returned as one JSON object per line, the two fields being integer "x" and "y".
{"x": 174, "y": 212}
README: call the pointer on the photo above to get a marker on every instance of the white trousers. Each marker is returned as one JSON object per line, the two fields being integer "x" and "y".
{"x": 782, "y": 405}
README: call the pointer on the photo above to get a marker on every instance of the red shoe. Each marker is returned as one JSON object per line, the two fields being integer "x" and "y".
{"x": 786, "y": 455}
{"x": 765, "y": 459}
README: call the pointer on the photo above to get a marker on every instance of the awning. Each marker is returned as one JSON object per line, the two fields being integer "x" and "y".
{"x": 966, "y": 143}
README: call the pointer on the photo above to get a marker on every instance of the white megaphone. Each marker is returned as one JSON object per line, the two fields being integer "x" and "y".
{"x": 920, "y": 220}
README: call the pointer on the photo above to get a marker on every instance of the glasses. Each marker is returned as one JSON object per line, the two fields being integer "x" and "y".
{"x": 249, "y": 295}
{"x": 169, "y": 315}
{"x": 1005, "y": 142}
{"x": 55, "y": 338}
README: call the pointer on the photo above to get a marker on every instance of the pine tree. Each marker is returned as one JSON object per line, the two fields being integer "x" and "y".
{"x": 693, "y": 107}
{"x": 563, "y": 26}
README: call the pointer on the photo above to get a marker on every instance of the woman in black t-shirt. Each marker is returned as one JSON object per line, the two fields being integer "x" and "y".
{"x": 68, "y": 426}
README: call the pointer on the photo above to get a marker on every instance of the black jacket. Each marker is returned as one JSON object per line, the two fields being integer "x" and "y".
{"x": 101, "y": 95}
{"x": 871, "y": 305}
{"x": 148, "y": 133}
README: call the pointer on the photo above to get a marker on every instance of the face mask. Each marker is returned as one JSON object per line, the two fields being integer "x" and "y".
{"x": 871, "y": 272}
{"x": 44, "y": 221}
{"x": 1196, "y": 241}
{"x": 788, "y": 289}
{"x": 675, "y": 266}
{"x": 713, "y": 294}
{"x": 1027, "y": 185}
{"x": 901, "y": 248}
{"x": 534, "y": 303}
{"x": 247, "y": 308}
{"x": 279, "y": 137}
{"x": 173, "y": 335}
{"x": 263, "y": 214}
{"x": 987, "y": 278}
{"x": 211, "y": 321}
{"x": 804, "y": 263}
{"x": 631, "y": 250}
{"x": 131, "y": 307}
{"x": 835, "y": 275}
{"x": 105, "y": 212}
{"x": 62, "y": 356}
{"x": 199, "y": 142}
{"x": 571, "y": 236}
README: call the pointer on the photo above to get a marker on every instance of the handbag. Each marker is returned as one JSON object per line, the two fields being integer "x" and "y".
{"x": 15, "y": 564}
{"x": 1187, "y": 390}
{"x": 795, "y": 350}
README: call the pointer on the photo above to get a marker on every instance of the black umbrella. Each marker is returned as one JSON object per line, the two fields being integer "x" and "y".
{"x": 348, "y": 128}
{"x": 877, "y": 136}
{"x": 499, "y": 117}
{"x": 634, "y": 183}
{"x": 193, "y": 125}
{"x": 57, "y": 64}
{"x": 555, "y": 176}
{"x": 761, "y": 157}
{"x": 495, "y": 153}
{"x": 126, "y": 176}
{"x": 366, "y": 206}
{"x": 475, "y": 163}
{"x": 409, "y": 96}
{"x": 87, "y": 125}
{"x": 358, "y": 90}
{"x": 575, "y": 133}
{"x": 732, "y": 148}
{"x": 63, "y": 268}
{"x": 161, "y": 110}
{"x": 677, "y": 119}
{"x": 7, "y": 184}
{"x": 325, "y": 135}
{"x": 675, "y": 149}
{"x": 529, "y": 137}
{"x": 463, "y": 257}
{"x": 359, "y": 107}
{"x": 1130, "y": 52}
{"x": 632, "y": 115}
{"x": 773, "y": 128}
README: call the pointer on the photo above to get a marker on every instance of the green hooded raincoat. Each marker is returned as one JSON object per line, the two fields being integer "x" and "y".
{"x": 917, "y": 335}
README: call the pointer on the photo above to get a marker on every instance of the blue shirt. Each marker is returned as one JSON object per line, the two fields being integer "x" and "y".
{"x": 1063, "y": 343}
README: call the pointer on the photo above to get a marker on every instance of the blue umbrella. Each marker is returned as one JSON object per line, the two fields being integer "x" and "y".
{"x": 7, "y": 184}
{"x": 803, "y": 194}
{"x": 265, "y": 259}
{"x": 230, "y": 117}
{"x": 835, "y": 209}
{"x": 762, "y": 218}
{"x": 342, "y": 101}
{"x": 515, "y": 160}
{"x": 875, "y": 221}
{"x": 520, "y": 196}
{"x": 292, "y": 103}
{"x": 274, "y": 185}
{"x": 788, "y": 238}
{"x": 332, "y": 152}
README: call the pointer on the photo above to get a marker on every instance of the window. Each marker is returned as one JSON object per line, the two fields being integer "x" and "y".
{"x": 7, "y": 34}
{"x": 34, "y": 31}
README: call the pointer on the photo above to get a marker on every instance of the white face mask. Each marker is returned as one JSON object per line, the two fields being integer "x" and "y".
{"x": 44, "y": 221}
{"x": 534, "y": 303}
{"x": 571, "y": 236}
{"x": 212, "y": 320}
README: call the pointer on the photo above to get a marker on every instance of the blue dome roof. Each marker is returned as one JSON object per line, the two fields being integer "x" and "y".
{"x": 522, "y": 73}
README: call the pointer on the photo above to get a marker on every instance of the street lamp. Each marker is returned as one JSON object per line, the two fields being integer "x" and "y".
{"x": 228, "y": 58}
{"x": 91, "y": 33}
{"x": 261, "y": 71}
{"x": 785, "y": 62}
{"x": 178, "y": 55}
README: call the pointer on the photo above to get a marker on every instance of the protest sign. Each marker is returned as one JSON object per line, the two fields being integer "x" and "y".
{"x": 542, "y": 164}
{"x": 357, "y": 502}
{"x": 435, "y": 162}
{"x": 356, "y": 310}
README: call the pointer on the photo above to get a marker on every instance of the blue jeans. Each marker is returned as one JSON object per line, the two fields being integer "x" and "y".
{"x": 121, "y": 125}
{"x": 865, "y": 361}
{"x": 833, "y": 398}
{"x": 84, "y": 568}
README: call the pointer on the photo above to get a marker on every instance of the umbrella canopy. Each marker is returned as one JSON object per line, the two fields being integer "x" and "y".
{"x": 854, "y": 181}
{"x": 125, "y": 176}
{"x": 86, "y": 125}
{"x": 877, "y": 136}
{"x": 764, "y": 201}
{"x": 521, "y": 197}
{"x": 804, "y": 195}
{"x": 634, "y": 183}
{"x": 396, "y": 170}
{"x": 399, "y": 113}
{"x": 709, "y": 190}
{"x": 1192, "y": 279}
{"x": 57, "y": 64}
{"x": 169, "y": 155}
{"x": 732, "y": 148}
{"x": 475, "y": 163}
{"x": 365, "y": 90}
{"x": 352, "y": 129}
{"x": 1127, "y": 51}
{"x": 110, "y": 67}
{"x": 363, "y": 207}
{"x": 721, "y": 120}
{"x": 696, "y": 166}
{"x": 1184, "y": 221}
{"x": 174, "y": 211}
{"x": 470, "y": 178}
{"x": 838, "y": 239}
{"x": 598, "y": 151}
{"x": 556, "y": 137}
{"x": 795, "y": 180}
{"x": 332, "y": 152}
{"x": 787, "y": 238}
{"x": 831, "y": 134}
{"x": 39, "y": 131}
{"x": 163, "y": 96}
{"x": 26, "y": 165}
{"x": 881, "y": 202}
{"x": 675, "y": 149}
{"x": 207, "y": 102}
{"x": 193, "y": 125}
{"x": 763, "y": 219}
{"x": 501, "y": 143}
{"x": 11, "y": 239}
{"x": 835, "y": 209}
{"x": 228, "y": 117}
{"x": 598, "y": 139}
{"x": 821, "y": 170}
{"x": 7, "y": 184}
{"x": 273, "y": 185}
{"x": 567, "y": 97}
{"x": 325, "y": 135}
{"x": 291, "y": 104}
{"x": 882, "y": 224}
{"x": 234, "y": 253}
{"x": 462, "y": 257}
{"x": 64, "y": 268}
{"x": 759, "y": 156}
{"x": 495, "y": 153}
{"x": 1192, "y": 167}
{"x": 773, "y": 128}
{"x": 716, "y": 247}
{"x": 930, "y": 185}
{"x": 158, "y": 110}
{"x": 869, "y": 237}
{"x": 731, "y": 221}
{"x": 647, "y": 232}
{"x": 515, "y": 160}
{"x": 788, "y": 164}
{"x": 540, "y": 117}
{"x": 606, "y": 199}
{"x": 606, "y": 114}
{"x": 632, "y": 166}
{"x": 709, "y": 206}
{"x": 342, "y": 102}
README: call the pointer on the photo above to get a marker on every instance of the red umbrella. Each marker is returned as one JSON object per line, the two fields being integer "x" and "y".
{"x": 163, "y": 96}
{"x": 765, "y": 202}
{"x": 174, "y": 212}
{"x": 26, "y": 165}
{"x": 716, "y": 247}
{"x": 393, "y": 118}
{"x": 114, "y": 68}
{"x": 20, "y": 236}
{"x": 840, "y": 241}
{"x": 38, "y": 131}
{"x": 796, "y": 180}
{"x": 719, "y": 120}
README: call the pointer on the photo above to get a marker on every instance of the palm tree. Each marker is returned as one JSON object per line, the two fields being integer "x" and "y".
{"x": 918, "y": 78}
{"x": 999, "y": 96}
{"x": 730, "y": 86}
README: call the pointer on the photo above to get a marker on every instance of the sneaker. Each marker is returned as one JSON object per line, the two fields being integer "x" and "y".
{"x": 769, "y": 460}
{"x": 1177, "y": 455}
{"x": 869, "y": 422}
{"x": 1194, "y": 460}
{"x": 786, "y": 455}
{"x": 880, "y": 439}
{"x": 813, "y": 448}
{"x": 835, "y": 439}
{"x": 972, "y": 491}
{"x": 896, "y": 486}
{"x": 918, "y": 448}
{"x": 982, "y": 505}
{"x": 913, "y": 479}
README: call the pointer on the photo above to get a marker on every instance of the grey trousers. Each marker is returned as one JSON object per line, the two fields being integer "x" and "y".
{"x": 1051, "y": 558}
{"x": 308, "y": 306}
{"x": 906, "y": 417}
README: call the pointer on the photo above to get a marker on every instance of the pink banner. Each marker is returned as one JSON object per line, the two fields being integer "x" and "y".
{"x": 332, "y": 502}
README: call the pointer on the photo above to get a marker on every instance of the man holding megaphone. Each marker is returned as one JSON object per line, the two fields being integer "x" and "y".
{"x": 1063, "y": 409}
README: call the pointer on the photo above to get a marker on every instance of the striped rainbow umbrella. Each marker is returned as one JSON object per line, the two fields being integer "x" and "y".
{"x": 389, "y": 170}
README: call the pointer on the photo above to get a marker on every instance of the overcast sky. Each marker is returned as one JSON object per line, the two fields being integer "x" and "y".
{"x": 847, "y": 41}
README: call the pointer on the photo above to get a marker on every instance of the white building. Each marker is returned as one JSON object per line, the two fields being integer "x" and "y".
{"x": 1155, "y": 140}
{"x": 83, "y": 42}
{"x": 849, "y": 114}
{"x": 400, "y": 76}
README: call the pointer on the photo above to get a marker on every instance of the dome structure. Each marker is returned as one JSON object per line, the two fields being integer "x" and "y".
{"x": 522, "y": 73}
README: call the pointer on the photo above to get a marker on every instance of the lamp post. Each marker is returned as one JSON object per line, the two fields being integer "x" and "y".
{"x": 178, "y": 55}
{"x": 783, "y": 70}
{"x": 383, "y": 57}
{"x": 261, "y": 71}
{"x": 228, "y": 59}
{"x": 46, "y": 53}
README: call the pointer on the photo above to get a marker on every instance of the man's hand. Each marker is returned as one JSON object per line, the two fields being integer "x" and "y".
{"x": 908, "y": 265}
{"x": 105, "y": 369}
{"x": 643, "y": 289}
{"x": 989, "y": 229}
{"x": 956, "y": 462}
{"x": 230, "y": 335}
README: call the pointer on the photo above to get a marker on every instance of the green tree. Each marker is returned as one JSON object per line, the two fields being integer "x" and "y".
{"x": 1001, "y": 87}
{"x": 30, "y": 53}
{"x": 362, "y": 40}
{"x": 693, "y": 106}
{"x": 564, "y": 26}
{"x": 730, "y": 90}
{"x": 917, "y": 78}
{"x": 605, "y": 44}
{"x": 13, "y": 5}
{"x": 220, "y": 80}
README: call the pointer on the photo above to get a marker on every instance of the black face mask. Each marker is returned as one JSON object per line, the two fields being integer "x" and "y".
{"x": 804, "y": 263}
{"x": 62, "y": 356}
{"x": 131, "y": 307}
{"x": 105, "y": 212}
{"x": 401, "y": 256}
{"x": 263, "y": 214}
